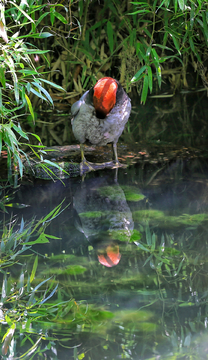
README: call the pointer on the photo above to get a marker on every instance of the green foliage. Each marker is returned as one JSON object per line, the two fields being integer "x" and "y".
{"x": 139, "y": 43}
{"x": 24, "y": 298}
{"x": 175, "y": 31}
{"x": 16, "y": 241}
{"x": 23, "y": 295}
{"x": 19, "y": 79}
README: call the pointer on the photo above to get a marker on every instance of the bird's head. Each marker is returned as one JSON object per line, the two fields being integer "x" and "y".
{"x": 104, "y": 97}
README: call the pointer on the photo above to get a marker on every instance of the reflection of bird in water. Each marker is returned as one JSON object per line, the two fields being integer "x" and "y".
{"x": 100, "y": 116}
{"x": 103, "y": 217}
{"x": 109, "y": 256}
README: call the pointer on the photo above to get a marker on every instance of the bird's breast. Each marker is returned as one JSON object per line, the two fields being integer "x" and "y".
{"x": 87, "y": 126}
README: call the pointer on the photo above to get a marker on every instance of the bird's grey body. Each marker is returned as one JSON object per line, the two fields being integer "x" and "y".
{"x": 87, "y": 126}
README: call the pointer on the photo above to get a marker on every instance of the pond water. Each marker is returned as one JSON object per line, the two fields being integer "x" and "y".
{"x": 132, "y": 255}
{"x": 129, "y": 257}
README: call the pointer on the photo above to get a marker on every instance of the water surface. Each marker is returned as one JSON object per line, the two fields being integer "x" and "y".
{"x": 137, "y": 250}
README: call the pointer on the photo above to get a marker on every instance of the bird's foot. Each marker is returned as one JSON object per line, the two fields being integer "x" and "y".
{"x": 86, "y": 166}
{"x": 117, "y": 164}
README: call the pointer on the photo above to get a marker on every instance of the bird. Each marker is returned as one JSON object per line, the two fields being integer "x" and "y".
{"x": 99, "y": 117}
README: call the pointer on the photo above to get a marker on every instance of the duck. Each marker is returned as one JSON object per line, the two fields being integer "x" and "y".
{"x": 99, "y": 117}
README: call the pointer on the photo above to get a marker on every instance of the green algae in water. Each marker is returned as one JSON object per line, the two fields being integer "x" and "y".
{"x": 132, "y": 193}
{"x": 69, "y": 270}
{"x": 92, "y": 214}
{"x": 118, "y": 193}
{"x": 159, "y": 217}
{"x": 125, "y": 235}
{"x": 113, "y": 193}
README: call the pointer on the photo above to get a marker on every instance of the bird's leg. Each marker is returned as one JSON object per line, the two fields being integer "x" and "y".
{"x": 82, "y": 153}
{"x": 85, "y": 166}
{"x": 117, "y": 163}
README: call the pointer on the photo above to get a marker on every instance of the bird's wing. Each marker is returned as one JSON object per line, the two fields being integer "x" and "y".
{"x": 76, "y": 106}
